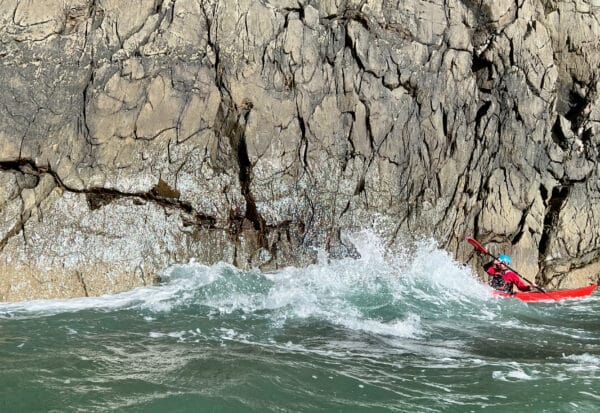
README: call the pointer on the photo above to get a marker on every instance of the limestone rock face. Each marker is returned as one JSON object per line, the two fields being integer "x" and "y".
{"x": 136, "y": 134}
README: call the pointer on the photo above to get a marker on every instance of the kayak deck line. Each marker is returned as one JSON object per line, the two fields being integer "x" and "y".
{"x": 557, "y": 295}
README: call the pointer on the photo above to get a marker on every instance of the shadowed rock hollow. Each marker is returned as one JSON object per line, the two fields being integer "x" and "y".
{"x": 135, "y": 134}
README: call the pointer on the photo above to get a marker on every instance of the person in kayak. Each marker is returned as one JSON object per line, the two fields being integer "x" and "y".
{"x": 502, "y": 278}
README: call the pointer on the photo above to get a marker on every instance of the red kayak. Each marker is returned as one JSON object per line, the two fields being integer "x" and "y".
{"x": 553, "y": 295}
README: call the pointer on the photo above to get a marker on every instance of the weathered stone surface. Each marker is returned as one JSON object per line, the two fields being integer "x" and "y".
{"x": 136, "y": 134}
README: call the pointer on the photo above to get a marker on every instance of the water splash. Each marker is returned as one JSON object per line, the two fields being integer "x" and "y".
{"x": 375, "y": 293}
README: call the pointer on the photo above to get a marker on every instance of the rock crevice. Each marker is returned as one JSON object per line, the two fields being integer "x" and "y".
{"x": 137, "y": 135}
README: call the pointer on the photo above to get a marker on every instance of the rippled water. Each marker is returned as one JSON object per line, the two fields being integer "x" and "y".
{"x": 409, "y": 334}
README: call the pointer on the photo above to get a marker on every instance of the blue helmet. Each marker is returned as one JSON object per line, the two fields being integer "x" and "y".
{"x": 505, "y": 259}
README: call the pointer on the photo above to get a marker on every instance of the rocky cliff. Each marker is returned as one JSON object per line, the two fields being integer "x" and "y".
{"x": 138, "y": 133}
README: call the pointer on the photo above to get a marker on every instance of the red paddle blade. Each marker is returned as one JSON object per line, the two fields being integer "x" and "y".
{"x": 477, "y": 245}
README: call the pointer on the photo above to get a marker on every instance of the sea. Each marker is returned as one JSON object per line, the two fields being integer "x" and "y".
{"x": 412, "y": 331}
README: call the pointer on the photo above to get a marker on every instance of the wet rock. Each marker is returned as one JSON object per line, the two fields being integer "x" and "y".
{"x": 134, "y": 135}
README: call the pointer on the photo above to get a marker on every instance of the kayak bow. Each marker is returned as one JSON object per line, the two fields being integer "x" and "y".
{"x": 551, "y": 295}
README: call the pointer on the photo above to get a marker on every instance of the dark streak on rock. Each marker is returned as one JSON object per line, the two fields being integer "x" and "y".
{"x": 83, "y": 284}
{"x": 554, "y": 206}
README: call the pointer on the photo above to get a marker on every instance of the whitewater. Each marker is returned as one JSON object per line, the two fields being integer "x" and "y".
{"x": 405, "y": 332}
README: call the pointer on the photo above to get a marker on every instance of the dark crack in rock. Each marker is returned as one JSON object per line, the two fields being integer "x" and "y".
{"x": 137, "y": 135}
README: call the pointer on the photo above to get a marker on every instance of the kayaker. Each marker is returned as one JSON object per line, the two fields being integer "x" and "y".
{"x": 502, "y": 278}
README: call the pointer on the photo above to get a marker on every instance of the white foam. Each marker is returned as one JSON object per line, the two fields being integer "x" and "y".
{"x": 585, "y": 361}
{"x": 407, "y": 328}
{"x": 107, "y": 302}
{"x": 511, "y": 375}
{"x": 592, "y": 395}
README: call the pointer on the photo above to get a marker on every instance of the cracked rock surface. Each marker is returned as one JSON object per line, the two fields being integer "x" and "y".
{"x": 136, "y": 134}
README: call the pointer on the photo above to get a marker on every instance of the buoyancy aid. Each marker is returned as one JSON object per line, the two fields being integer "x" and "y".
{"x": 498, "y": 283}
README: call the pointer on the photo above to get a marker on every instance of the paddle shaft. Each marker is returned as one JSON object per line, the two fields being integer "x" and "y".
{"x": 483, "y": 250}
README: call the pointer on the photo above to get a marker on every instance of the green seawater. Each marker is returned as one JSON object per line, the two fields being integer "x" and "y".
{"x": 400, "y": 334}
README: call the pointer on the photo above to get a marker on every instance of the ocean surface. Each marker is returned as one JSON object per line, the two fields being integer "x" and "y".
{"x": 414, "y": 332}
